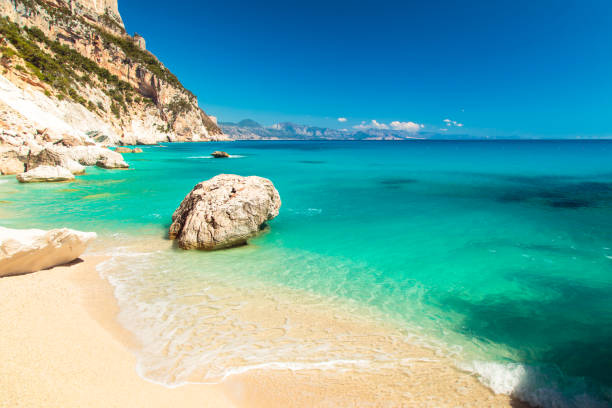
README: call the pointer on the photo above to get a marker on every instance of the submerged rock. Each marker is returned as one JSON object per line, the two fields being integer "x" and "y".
{"x": 27, "y": 251}
{"x": 137, "y": 150}
{"x": 220, "y": 155}
{"x": 124, "y": 150}
{"x": 46, "y": 174}
{"x": 224, "y": 211}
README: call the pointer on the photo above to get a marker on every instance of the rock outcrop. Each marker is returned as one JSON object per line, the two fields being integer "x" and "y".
{"x": 224, "y": 211}
{"x": 27, "y": 251}
{"x": 42, "y": 174}
{"x": 26, "y": 151}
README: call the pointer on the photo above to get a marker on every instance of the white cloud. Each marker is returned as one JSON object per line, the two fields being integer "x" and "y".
{"x": 411, "y": 127}
{"x": 451, "y": 123}
{"x": 373, "y": 124}
{"x": 342, "y": 120}
{"x": 406, "y": 126}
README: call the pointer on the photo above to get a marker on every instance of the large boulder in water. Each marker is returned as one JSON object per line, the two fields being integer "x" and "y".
{"x": 26, "y": 251}
{"x": 224, "y": 211}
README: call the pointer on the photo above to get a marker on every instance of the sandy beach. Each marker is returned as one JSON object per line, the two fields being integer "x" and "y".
{"x": 62, "y": 347}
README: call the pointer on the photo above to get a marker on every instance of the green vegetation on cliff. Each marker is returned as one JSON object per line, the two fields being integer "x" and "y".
{"x": 125, "y": 43}
{"x": 59, "y": 65}
{"x": 69, "y": 74}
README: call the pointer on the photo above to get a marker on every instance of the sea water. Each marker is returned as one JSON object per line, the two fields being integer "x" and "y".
{"x": 499, "y": 252}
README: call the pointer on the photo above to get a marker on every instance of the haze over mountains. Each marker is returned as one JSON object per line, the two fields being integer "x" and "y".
{"x": 249, "y": 129}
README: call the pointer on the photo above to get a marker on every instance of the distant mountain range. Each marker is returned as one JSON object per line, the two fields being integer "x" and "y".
{"x": 249, "y": 129}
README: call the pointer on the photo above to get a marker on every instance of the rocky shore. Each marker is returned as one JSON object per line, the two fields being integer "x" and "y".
{"x": 34, "y": 156}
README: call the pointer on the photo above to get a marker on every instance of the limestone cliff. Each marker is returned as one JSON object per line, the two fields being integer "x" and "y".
{"x": 73, "y": 58}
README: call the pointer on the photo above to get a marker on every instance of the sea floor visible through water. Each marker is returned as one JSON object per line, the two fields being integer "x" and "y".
{"x": 495, "y": 256}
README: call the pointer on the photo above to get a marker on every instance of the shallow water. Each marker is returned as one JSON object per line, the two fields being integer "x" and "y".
{"x": 498, "y": 252}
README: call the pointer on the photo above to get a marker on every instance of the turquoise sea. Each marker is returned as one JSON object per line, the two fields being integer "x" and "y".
{"x": 498, "y": 252}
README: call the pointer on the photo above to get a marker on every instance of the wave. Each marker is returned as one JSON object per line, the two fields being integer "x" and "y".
{"x": 538, "y": 387}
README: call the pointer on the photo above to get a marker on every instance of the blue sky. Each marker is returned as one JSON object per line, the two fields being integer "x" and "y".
{"x": 533, "y": 68}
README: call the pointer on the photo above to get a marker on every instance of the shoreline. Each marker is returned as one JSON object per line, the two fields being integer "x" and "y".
{"x": 65, "y": 347}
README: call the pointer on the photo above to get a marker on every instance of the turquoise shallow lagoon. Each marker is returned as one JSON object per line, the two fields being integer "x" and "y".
{"x": 498, "y": 252}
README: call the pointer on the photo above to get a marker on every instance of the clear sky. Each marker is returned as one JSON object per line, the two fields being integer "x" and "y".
{"x": 501, "y": 68}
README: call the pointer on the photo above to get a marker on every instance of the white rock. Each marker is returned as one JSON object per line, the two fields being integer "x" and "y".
{"x": 26, "y": 251}
{"x": 224, "y": 211}
{"x": 45, "y": 174}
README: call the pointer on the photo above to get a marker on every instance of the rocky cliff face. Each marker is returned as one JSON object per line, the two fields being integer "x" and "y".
{"x": 74, "y": 59}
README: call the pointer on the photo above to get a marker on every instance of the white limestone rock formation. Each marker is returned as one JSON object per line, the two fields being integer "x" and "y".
{"x": 27, "y": 251}
{"x": 224, "y": 212}
{"x": 42, "y": 174}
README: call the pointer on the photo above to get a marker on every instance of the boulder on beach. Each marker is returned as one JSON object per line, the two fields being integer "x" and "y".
{"x": 27, "y": 251}
{"x": 224, "y": 212}
{"x": 124, "y": 150}
{"x": 42, "y": 174}
{"x": 220, "y": 155}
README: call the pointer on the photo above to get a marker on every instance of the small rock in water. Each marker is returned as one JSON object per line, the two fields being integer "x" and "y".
{"x": 124, "y": 150}
{"x": 137, "y": 150}
{"x": 220, "y": 155}
{"x": 224, "y": 212}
